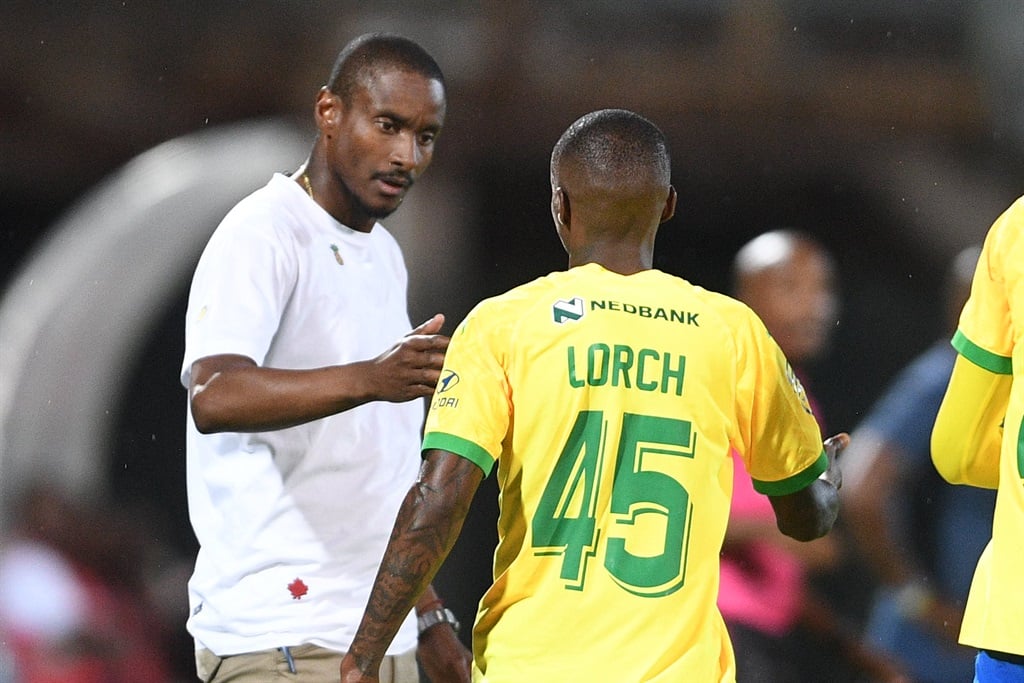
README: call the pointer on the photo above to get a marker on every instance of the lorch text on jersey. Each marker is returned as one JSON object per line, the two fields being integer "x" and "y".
{"x": 620, "y": 365}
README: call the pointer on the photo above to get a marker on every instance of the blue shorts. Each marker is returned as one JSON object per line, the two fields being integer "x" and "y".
{"x": 995, "y": 667}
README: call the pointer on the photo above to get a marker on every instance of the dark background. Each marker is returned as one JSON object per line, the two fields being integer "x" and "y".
{"x": 894, "y": 132}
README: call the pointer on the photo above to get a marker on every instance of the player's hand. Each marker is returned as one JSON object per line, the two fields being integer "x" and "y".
{"x": 834, "y": 445}
{"x": 443, "y": 656}
{"x": 350, "y": 673}
{"x": 411, "y": 367}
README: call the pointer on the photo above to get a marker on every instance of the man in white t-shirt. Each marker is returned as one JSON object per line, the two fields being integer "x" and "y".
{"x": 304, "y": 382}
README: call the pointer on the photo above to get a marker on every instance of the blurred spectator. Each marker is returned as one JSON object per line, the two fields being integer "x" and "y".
{"x": 921, "y": 536}
{"x": 73, "y": 604}
{"x": 781, "y": 630}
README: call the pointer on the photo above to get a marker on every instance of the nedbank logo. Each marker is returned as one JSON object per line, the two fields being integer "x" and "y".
{"x": 570, "y": 310}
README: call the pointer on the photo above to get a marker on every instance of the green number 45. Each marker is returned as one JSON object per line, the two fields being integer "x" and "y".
{"x": 566, "y": 521}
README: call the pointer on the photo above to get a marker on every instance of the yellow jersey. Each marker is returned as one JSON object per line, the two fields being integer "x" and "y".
{"x": 610, "y": 404}
{"x": 989, "y": 335}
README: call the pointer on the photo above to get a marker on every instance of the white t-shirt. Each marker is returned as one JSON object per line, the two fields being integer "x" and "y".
{"x": 292, "y": 524}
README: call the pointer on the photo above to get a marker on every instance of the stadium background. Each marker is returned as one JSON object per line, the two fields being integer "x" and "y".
{"x": 894, "y": 132}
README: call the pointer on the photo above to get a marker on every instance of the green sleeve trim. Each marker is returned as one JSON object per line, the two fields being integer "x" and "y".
{"x": 795, "y": 483}
{"x": 461, "y": 447}
{"x": 993, "y": 362}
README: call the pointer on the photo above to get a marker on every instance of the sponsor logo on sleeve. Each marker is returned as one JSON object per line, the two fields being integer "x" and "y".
{"x": 447, "y": 381}
{"x": 798, "y": 388}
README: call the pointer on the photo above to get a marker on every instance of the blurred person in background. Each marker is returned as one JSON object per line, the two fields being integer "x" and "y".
{"x": 782, "y": 630}
{"x": 921, "y": 536}
{"x": 978, "y": 440}
{"x": 75, "y": 604}
{"x": 305, "y": 385}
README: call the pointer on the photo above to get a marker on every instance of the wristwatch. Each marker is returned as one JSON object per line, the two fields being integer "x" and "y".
{"x": 440, "y": 615}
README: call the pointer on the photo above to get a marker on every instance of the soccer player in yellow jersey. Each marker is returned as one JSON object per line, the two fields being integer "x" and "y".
{"x": 606, "y": 398}
{"x": 978, "y": 439}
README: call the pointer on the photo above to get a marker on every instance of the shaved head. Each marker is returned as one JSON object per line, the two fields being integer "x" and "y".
{"x": 613, "y": 148}
{"x": 611, "y": 188}
{"x": 767, "y": 250}
{"x": 787, "y": 278}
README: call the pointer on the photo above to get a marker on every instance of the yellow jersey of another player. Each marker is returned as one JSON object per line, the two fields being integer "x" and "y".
{"x": 989, "y": 335}
{"x": 610, "y": 404}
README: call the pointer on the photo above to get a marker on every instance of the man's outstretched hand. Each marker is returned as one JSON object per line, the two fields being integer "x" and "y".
{"x": 410, "y": 369}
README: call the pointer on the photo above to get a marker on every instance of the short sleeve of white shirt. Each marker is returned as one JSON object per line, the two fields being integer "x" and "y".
{"x": 241, "y": 286}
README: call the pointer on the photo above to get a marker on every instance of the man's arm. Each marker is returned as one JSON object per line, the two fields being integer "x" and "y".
{"x": 968, "y": 430}
{"x": 230, "y": 393}
{"x": 810, "y": 512}
{"x": 427, "y": 527}
{"x": 441, "y": 654}
{"x": 876, "y": 474}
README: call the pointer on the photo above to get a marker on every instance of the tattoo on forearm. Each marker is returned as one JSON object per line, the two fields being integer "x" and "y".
{"x": 428, "y": 524}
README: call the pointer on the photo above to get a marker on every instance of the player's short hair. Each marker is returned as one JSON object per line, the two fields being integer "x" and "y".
{"x": 615, "y": 146}
{"x": 370, "y": 52}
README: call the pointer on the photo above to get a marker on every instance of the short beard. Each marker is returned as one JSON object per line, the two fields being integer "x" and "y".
{"x": 375, "y": 213}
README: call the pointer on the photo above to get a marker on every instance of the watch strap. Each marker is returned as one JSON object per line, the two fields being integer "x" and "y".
{"x": 433, "y": 617}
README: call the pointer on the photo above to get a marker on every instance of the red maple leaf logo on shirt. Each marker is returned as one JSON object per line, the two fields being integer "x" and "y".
{"x": 298, "y": 588}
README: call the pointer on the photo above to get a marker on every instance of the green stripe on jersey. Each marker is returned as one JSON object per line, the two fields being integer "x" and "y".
{"x": 794, "y": 483}
{"x": 983, "y": 358}
{"x": 462, "y": 447}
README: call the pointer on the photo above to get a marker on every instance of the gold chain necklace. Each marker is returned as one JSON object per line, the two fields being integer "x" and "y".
{"x": 308, "y": 186}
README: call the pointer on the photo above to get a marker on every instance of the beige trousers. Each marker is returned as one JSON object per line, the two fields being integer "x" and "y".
{"x": 306, "y": 663}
